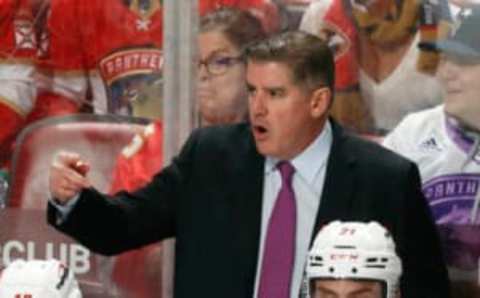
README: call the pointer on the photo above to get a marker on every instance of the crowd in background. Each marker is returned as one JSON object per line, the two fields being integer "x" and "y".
{"x": 405, "y": 71}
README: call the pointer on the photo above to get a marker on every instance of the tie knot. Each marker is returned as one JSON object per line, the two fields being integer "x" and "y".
{"x": 286, "y": 171}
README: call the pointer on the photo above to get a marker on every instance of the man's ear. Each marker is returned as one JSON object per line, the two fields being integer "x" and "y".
{"x": 320, "y": 102}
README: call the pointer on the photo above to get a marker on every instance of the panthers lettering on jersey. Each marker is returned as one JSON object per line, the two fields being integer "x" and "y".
{"x": 127, "y": 75}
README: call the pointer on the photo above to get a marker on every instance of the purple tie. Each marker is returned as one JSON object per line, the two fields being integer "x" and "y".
{"x": 279, "y": 249}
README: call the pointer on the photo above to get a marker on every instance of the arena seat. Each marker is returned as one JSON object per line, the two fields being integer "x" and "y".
{"x": 98, "y": 138}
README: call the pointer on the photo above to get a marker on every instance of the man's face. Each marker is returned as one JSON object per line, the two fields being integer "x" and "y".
{"x": 285, "y": 116}
{"x": 346, "y": 289}
{"x": 221, "y": 76}
{"x": 462, "y": 89}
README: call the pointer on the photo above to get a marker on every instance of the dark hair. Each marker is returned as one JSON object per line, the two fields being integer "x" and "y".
{"x": 239, "y": 26}
{"x": 308, "y": 56}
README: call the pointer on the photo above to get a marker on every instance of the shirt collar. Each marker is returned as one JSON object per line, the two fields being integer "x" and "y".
{"x": 309, "y": 162}
{"x": 459, "y": 136}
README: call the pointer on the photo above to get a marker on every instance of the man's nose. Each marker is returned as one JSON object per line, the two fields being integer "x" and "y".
{"x": 257, "y": 104}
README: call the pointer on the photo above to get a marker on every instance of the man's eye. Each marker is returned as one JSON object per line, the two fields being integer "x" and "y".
{"x": 251, "y": 90}
{"x": 276, "y": 93}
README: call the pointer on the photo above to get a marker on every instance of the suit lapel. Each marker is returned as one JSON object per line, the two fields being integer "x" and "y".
{"x": 336, "y": 199}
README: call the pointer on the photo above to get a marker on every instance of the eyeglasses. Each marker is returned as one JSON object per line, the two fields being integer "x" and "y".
{"x": 219, "y": 65}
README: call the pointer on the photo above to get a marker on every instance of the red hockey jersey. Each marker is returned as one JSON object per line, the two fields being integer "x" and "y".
{"x": 109, "y": 56}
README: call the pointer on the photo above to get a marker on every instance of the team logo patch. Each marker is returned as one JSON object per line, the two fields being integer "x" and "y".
{"x": 24, "y": 33}
{"x": 430, "y": 144}
{"x": 133, "y": 79}
{"x": 143, "y": 25}
{"x": 144, "y": 9}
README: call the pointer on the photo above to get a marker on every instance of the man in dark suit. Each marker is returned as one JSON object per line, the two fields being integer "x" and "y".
{"x": 243, "y": 201}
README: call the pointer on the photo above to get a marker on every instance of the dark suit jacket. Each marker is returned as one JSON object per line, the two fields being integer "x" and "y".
{"x": 210, "y": 199}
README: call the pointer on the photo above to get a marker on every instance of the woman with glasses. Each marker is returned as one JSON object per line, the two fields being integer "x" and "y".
{"x": 222, "y": 92}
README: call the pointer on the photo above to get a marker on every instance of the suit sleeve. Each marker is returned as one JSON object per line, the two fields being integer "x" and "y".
{"x": 425, "y": 273}
{"x": 112, "y": 224}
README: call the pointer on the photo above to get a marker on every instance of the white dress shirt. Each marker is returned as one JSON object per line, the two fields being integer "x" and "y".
{"x": 308, "y": 180}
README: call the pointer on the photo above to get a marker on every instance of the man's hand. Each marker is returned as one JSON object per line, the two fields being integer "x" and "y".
{"x": 67, "y": 176}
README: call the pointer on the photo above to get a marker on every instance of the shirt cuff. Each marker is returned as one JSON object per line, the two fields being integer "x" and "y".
{"x": 63, "y": 210}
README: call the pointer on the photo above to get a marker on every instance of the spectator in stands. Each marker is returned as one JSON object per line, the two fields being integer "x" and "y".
{"x": 353, "y": 260}
{"x": 444, "y": 142}
{"x": 221, "y": 93}
{"x": 382, "y": 74}
{"x": 229, "y": 196}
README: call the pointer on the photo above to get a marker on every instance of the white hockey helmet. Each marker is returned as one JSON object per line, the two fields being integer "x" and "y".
{"x": 356, "y": 251}
{"x": 38, "y": 279}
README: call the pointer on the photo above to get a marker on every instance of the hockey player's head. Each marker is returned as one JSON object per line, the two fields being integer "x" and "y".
{"x": 460, "y": 67}
{"x": 221, "y": 72}
{"x": 38, "y": 279}
{"x": 352, "y": 259}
